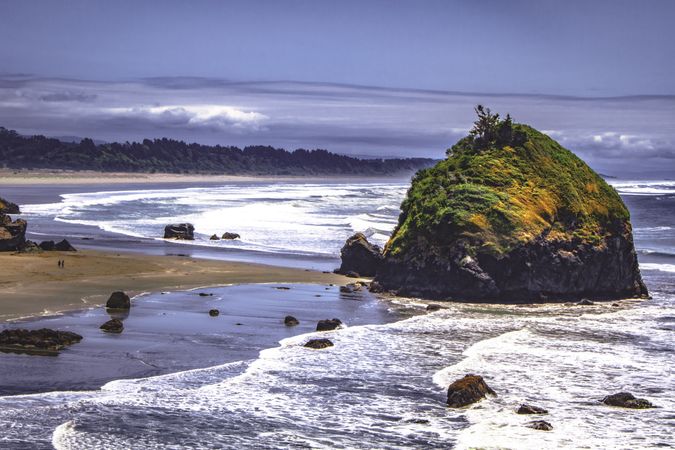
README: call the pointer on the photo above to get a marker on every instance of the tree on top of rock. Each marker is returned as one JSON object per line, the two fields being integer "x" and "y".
{"x": 489, "y": 131}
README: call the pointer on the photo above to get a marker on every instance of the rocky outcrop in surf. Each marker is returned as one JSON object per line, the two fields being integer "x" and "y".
{"x": 118, "y": 300}
{"x": 467, "y": 390}
{"x": 511, "y": 216}
{"x": 360, "y": 257}
{"x": 183, "y": 231}
{"x": 40, "y": 342}
{"x": 7, "y": 207}
{"x": 627, "y": 400}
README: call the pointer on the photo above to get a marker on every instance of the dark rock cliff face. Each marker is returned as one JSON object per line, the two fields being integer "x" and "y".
{"x": 12, "y": 233}
{"x": 512, "y": 224}
{"x": 7, "y": 207}
{"x": 540, "y": 270}
{"x": 360, "y": 256}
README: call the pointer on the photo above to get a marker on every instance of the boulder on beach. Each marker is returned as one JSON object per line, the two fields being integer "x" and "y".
{"x": 511, "y": 216}
{"x": 291, "y": 321}
{"x": 530, "y": 409}
{"x": 375, "y": 287}
{"x": 230, "y": 236}
{"x": 319, "y": 343}
{"x": 350, "y": 288}
{"x": 113, "y": 326}
{"x": 47, "y": 246}
{"x": 214, "y": 237}
{"x": 182, "y": 231}
{"x": 328, "y": 324}
{"x": 64, "y": 246}
{"x": 118, "y": 300}
{"x": 40, "y": 342}
{"x": 214, "y": 312}
{"x": 360, "y": 257}
{"x": 467, "y": 390}
{"x": 627, "y": 400}
{"x": 30, "y": 247}
{"x": 540, "y": 425}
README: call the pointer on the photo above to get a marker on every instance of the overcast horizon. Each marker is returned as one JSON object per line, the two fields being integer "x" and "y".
{"x": 373, "y": 79}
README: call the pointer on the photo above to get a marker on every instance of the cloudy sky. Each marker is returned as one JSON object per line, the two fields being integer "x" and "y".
{"x": 372, "y": 78}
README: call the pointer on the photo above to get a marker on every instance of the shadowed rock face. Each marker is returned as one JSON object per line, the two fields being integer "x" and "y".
{"x": 360, "y": 256}
{"x": 12, "y": 233}
{"x": 528, "y": 223}
{"x": 184, "y": 231}
{"x": 468, "y": 390}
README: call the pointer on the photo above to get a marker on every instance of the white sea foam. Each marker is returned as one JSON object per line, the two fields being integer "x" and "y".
{"x": 644, "y": 187}
{"x": 670, "y": 268}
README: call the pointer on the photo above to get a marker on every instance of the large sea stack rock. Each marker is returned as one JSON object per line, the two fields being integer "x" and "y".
{"x": 184, "y": 231}
{"x": 510, "y": 215}
{"x": 360, "y": 256}
{"x": 118, "y": 300}
{"x": 12, "y": 233}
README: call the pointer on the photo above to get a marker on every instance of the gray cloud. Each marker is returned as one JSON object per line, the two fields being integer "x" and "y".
{"x": 626, "y": 134}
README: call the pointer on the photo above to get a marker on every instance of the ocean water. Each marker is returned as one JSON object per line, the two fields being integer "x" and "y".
{"x": 383, "y": 384}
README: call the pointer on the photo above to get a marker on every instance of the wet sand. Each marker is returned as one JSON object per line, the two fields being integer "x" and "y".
{"x": 33, "y": 284}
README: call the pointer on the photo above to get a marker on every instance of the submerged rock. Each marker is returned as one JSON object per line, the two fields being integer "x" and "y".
{"x": 319, "y": 343}
{"x": 530, "y": 409}
{"x": 360, "y": 257}
{"x": 214, "y": 312}
{"x": 328, "y": 324}
{"x": 113, "y": 326}
{"x": 291, "y": 321}
{"x": 39, "y": 342}
{"x": 118, "y": 300}
{"x": 230, "y": 236}
{"x": 184, "y": 231}
{"x": 467, "y": 390}
{"x": 511, "y": 216}
{"x": 541, "y": 425}
{"x": 627, "y": 400}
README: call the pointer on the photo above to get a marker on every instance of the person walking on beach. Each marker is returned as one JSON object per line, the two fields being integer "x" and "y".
{"x": 59, "y": 263}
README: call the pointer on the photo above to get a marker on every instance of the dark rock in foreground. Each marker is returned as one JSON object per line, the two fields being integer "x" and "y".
{"x": 113, "y": 326}
{"x": 328, "y": 324}
{"x": 38, "y": 342}
{"x": 319, "y": 343}
{"x": 230, "y": 236}
{"x": 118, "y": 300}
{"x": 541, "y": 425}
{"x": 214, "y": 313}
{"x": 12, "y": 233}
{"x": 467, "y": 390}
{"x": 360, "y": 256}
{"x": 291, "y": 321}
{"x": 184, "y": 231}
{"x": 627, "y": 400}
{"x": 530, "y": 409}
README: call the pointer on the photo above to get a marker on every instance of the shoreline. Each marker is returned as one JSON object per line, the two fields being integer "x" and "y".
{"x": 59, "y": 177}
{"x": 32, "y": 285}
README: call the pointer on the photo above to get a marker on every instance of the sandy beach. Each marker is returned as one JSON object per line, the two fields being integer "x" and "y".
{"x": 33, "y": 284}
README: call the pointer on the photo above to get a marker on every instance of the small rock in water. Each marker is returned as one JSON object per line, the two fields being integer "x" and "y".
{"x": 204, "y": 294}
{"x": 350, "y": 288}
{"x": 328, "y": 324}
{"x": 214, "y": 312}
{"x": 291, "y": 321}
{"x": 113, "y": 326}
{"x": 467, "y": 390}
{"x": 541, "y": 425}
{"x": 38, "y": 342}
{"x": 214, "y": 237}
{"x": 434, "y": 307}
{"x": 118, "y": 300}
{"x": 319, "y": 343}
{"x": 530, "y": 409}
{"x": 616, "y": 305}
{"x": 230, "y": 236}
{"x": 627, "y": 400}
{"x": 585, "y": 302}
{"x": 283, "y": 288}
